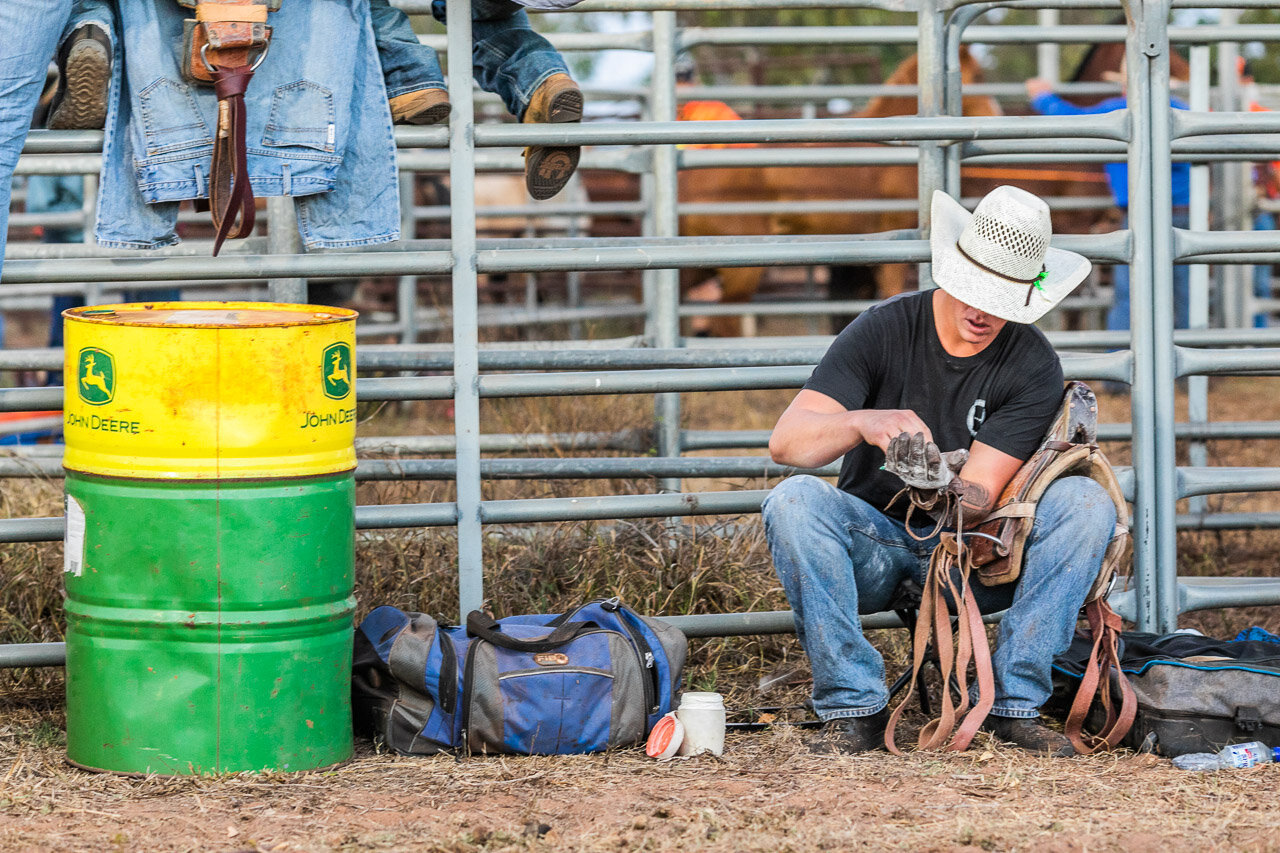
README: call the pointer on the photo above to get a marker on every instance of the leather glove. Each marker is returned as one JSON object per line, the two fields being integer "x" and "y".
{"x": 920, "y": 464}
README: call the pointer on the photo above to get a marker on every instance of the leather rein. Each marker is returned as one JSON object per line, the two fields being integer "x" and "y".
{"x": 956, "y": 647}
{"x": 954, "y": 654}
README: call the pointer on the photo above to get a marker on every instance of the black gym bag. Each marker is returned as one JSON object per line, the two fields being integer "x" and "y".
{"x": 1195, "y": 693}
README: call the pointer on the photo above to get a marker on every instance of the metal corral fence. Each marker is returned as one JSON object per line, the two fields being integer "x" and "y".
{"x": 1151, "y": 359}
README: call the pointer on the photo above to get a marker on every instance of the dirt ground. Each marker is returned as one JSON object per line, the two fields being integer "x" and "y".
{"x": 767, "y": 793}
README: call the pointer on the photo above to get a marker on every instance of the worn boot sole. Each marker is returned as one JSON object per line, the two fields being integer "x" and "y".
{"x": 429, "y": 106}
{"x": 431, "y": 115}
{"x": 547, "y": 168}
{"x": 87, "y": 76}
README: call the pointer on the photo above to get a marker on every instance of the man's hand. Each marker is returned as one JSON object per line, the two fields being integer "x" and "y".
{"x": 919, "y": 463}
{"x": 881, "y": 426}
{"x": 1037, "y": 86}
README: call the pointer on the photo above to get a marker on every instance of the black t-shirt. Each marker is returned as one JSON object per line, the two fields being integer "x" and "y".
{"x": 890, "y": 357}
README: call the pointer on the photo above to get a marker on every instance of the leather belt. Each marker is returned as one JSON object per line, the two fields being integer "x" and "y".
{"x": 223, "y": 46}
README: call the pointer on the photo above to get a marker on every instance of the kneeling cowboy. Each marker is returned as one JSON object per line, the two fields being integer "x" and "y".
{"x": 961, "y": 367}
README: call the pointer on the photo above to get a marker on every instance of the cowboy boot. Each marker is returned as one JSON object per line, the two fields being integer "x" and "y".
{"x": 84, "y": 76}
{"x": 1030, "y": 734}
{"x": 850, "y": 735}
{"x": 547, "y": 168}
{"x": 425, "y": 106}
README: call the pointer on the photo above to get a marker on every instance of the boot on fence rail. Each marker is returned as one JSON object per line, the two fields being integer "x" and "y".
{"x": 425, "y": 106}
{"x": 547, "y": 168}
{"x": 558, "y": 100}
{"x": 84, "y": 76}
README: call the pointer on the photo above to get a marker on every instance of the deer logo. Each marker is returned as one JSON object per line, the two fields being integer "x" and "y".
{"x": 97, "y": 376}
{"x": 335, "y": 370}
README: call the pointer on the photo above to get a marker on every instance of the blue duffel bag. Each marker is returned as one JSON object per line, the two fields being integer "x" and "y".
{"x": 596, "y": 677}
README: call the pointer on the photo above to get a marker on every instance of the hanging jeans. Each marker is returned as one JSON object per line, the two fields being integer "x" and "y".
{"x": 318, "y": 128}
{"x": 29, "y": 31}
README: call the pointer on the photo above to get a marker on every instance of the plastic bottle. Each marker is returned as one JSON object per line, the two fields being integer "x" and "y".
{"x": 1233, "y": 757}
{"x": 703, "y": 718}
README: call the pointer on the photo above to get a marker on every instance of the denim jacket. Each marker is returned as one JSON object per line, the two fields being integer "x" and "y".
{"x": 318, "y": 128}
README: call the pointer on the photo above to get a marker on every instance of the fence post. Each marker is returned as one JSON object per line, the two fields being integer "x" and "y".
{"x": 1048, "y": 56}
{"x": 1198, "y": 317}
{"x": 407, "y": 285}
{"x": 466, "y": 335}
{"x": 1236, "y": 197}
{"x": 666, "y": 314}
{"x": 931, "y": 53}
{"x": 283, "y": 239}
{"x": 953, "y": 93}
{"x": 89, "y": 209}
{"x": 1151, "y": 315}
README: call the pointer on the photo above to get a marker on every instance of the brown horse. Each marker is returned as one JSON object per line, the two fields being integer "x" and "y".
{"x": 811, "y": 183}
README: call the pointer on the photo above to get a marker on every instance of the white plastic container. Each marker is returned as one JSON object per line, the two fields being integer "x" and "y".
{"x": 702, "y": 716}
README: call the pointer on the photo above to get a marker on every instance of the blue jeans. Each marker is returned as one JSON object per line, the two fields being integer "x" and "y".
{"x": 837, "y": 557}
{"x": 29, "y": 31}
{"x": 508, "y": 57}
{"x": 100, "y": 12}
{"x": 1262, "y": 221}
{"x": 317, "y": 128}
{"x": 1118, "y": 316}
{"x": 53, "y": 193}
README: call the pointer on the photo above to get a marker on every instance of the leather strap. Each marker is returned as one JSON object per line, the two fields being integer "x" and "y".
{"x": 954, "y": 655}
{"x": 228, "y": 40}
{"x": 484, "y": 626}
{"x": 228, "y": 33}
{"x": 983, "y": 669}
{"x": 230, "y": 194}
{"x": 1067, "y": 449}
{"x": 1105, "y": 627}
{"x": 242, "y": 12}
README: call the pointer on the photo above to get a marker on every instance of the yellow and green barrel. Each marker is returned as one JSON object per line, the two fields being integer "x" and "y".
{"x": 210, "y": 536}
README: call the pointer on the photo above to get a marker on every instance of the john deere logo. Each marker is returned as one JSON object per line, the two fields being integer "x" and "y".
{"x": 335, "y": 368}
{"x": 97, "y": 376}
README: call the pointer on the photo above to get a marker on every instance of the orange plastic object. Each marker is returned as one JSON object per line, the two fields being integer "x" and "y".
{"x": 665, "y": 738}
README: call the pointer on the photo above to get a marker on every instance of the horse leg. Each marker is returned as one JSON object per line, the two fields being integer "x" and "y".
{"x": 845, "y": 284}
{"x": 699, "y": 285}
{"x": 892, "y": 279}
{"x": 737, "y": 285}
{"x": 708, "y": 291}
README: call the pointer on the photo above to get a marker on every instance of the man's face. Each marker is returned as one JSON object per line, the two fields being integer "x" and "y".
{"x": 974, "y": 327}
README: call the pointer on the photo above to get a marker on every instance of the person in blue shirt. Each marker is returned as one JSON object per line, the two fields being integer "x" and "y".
{"x": 1045, "y": 102}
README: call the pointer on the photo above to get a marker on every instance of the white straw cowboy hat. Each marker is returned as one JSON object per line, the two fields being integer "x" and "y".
{"x": 997, "y": 259}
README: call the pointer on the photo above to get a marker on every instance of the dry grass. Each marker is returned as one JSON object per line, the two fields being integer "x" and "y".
{"x": 766, "y": 793}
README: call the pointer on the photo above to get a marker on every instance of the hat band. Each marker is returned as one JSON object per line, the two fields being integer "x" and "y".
{"x": 1033, "y": 283}
{"x": 996, "y": 273}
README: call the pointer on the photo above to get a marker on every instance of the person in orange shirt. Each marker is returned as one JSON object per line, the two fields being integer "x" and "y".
{"x": 703, "y": 110}
{"x": 711, "y": 289}
{"x": 708, "y": 111}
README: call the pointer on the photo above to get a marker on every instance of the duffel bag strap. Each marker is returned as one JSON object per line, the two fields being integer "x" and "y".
{"x": 1105, "y": 627}
{"x": 224, "y": 46}
{"x": 485, "y": 627}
